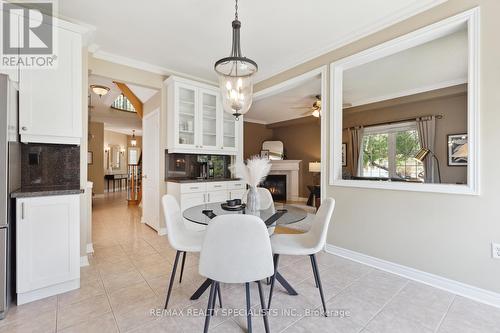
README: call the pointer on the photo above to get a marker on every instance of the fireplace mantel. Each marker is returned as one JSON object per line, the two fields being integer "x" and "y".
{"x": 290, "y": 168}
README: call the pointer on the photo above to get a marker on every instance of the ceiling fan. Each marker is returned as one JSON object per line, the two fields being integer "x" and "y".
{"x": 314, "y": 110}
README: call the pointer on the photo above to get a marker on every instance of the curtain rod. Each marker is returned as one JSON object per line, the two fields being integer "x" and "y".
{"x": 438, "y": 116}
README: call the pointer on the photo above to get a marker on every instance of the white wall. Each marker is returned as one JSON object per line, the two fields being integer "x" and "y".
{"x": 443, "y": 234}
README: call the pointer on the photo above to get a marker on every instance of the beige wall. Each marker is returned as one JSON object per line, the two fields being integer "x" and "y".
{"x": 153, "y": 103}
{"x": 451, "y": 234}
{"x": 253, "y": 136}
{"x": 112, "y": 139}
{"x": 454, "y": 121}
{"x": 302, "y": 142}
{"x": 124, "y": 73}
{"x": 96, "y": 146}
{"x": 305, "y": 146}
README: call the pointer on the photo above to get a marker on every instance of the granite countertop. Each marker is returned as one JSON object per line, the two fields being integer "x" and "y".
{"x": 44, "y": 191}
{"x": 195, "y": 180}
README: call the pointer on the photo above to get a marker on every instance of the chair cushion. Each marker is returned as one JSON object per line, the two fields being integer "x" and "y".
{"x": 297, "y": 244}
{"x": 190, "y": 241}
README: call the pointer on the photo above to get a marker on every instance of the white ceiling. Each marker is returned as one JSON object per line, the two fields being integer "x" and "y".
{"x": 189, "y": 36}
{"x": 437, "y": 64}
{"x": 285, "y": 105}
{"x": 114, "y": 120}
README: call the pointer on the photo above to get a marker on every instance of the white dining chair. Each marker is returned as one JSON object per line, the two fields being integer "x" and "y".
{"x": 308, "y": 243}
{"x": 180, "y": 238}
{"x": 236, "y": 249}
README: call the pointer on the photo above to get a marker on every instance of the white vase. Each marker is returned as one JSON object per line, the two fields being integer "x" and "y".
{"x": 253, "y": 199}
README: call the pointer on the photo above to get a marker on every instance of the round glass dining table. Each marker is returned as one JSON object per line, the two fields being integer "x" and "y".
{"x": 281, "y": 214}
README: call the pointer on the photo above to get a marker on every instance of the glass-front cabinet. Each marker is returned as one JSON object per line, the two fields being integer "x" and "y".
{"x": 186, "y": 120}
{"x": 209, "y": 118}
{"x": 229, "y": 132}
{"x": 196, "y": 122}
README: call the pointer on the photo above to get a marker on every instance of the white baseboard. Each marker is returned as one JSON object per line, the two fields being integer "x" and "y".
{"x": 452, "y": 286}
{"x": 90, "y": 248}
{"x": 34, "y": 295}
{"x": 162, "y": 231}
{"x": 84, "y": 261}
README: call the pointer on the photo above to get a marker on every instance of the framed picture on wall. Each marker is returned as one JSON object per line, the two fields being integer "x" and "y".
{"x": 90, "y": 158}
{"x": 458, "y": 151}
{"x": 264, "y": 154}
{"x": 344, "y": 154}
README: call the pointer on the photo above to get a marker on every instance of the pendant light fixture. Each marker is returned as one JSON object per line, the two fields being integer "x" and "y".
{"x": 236, "y": 75}
{"x": 133, "y": 141}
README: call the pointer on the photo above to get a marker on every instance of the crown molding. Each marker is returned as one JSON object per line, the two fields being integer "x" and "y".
{"x": 97, "y": 53}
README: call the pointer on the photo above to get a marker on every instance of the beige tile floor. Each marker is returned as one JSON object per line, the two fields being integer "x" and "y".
{"x": 128, "y": 275}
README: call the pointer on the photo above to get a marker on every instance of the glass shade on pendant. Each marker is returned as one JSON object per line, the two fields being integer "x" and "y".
{"x": 236, "y": 87}
{"x": 236, "y": 76}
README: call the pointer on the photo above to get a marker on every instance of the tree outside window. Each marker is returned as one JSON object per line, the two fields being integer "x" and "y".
{"x": 388, "y": 152}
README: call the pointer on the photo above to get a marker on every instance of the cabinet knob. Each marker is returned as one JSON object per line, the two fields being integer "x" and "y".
{"x": 24, "y": 128}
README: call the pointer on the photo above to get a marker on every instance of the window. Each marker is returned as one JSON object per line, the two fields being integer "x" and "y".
{"x": 133, "y": 156}
{"x": 388, "y": 152}
{"x": 122, "y": 103}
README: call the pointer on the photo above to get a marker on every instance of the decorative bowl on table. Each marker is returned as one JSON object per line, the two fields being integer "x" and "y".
{"x": 233, "y": 205}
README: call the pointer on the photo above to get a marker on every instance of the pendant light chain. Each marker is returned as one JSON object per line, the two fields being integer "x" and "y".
{"x": 236, "y": 10}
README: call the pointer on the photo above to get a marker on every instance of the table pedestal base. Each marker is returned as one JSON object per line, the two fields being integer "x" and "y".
{"x": 205, "y": 285}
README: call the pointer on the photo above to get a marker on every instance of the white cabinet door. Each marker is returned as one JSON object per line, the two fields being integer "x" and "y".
{"x": 189, "y": 200}
{"x": 230, "y": 132}
{"x": 209, "y": 115}
{"x": 47, "y": 241}
{"x": 217, "y": 196}
{"x": 186, "y": 116}
{"x": 50, "y": 100}
{"x": 13, "y": 71}
{"x": 12, "y": 128}
{"x": 151, "y": 170}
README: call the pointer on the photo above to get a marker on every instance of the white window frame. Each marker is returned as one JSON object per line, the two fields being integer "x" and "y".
{"x": 391, "y": 144}
{"x": 418, "y": 37}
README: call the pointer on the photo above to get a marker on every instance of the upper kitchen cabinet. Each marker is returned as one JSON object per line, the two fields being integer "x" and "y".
{"x": 196, "y": 121}
{"x": 50, "y": 99}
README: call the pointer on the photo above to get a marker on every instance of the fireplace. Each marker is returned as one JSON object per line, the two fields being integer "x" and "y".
{"x": 276, "y": 184}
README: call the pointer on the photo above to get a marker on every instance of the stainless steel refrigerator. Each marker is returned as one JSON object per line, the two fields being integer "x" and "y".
{"x": 10, "y": 180}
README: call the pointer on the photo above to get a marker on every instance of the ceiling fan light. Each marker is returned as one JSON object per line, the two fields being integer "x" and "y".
{"x": 316, "y": 113}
